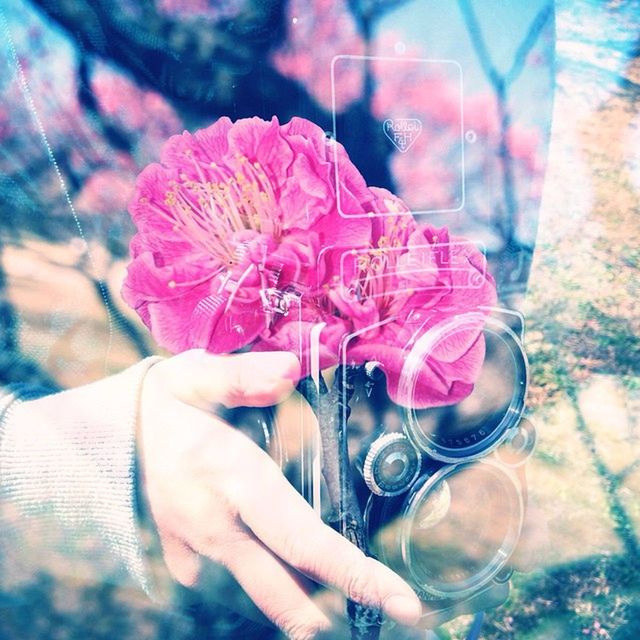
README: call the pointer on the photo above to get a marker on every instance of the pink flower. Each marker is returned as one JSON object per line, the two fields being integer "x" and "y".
{"x": 377, "y": 299}
{"x": 145, "y": 115}
{"x": 409, "y": 281}
{"x": 5, "y": 123}
{"x": 333, "y": 304}
{"x": 105, "y": 192}
{"x": 240, "y": 243}
{"x": 235, "y": 210}
{"x": 295, "y": 333}
{"x": 207, "y": 9}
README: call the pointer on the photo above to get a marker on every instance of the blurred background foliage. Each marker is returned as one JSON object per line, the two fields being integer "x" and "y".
{"x": 543, "y": 124}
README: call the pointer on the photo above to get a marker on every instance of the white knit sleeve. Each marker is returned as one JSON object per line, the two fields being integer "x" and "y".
{"x": 67, "y": 475}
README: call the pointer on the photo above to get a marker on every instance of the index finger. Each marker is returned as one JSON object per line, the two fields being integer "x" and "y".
{"x": 287, "y": 524}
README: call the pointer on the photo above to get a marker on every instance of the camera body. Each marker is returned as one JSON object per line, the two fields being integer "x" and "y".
{"x": 439, "y": 475}
{"x": 442, "y": 488}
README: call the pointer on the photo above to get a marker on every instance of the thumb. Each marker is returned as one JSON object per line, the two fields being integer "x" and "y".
{"x": 204, "y": 379}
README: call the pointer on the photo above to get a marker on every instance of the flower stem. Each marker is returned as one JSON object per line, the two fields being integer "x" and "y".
{"x": 332, "y": 409}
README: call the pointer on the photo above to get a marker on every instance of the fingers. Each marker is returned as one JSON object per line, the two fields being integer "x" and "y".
{"x": 204, "y": 379}
{"x": 289, "y": 535}
{"x": 288, "y": 526}
{"x": 274, "y": 588}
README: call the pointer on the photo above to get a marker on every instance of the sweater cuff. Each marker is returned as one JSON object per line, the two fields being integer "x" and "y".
{"x": 67, "y": 465}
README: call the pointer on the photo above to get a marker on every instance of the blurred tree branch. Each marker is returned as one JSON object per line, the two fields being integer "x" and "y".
{"x": 197, "y": 63}
{"x": 208, "y": 69}
{"x": 621, "y": 80}
{"x": 501, "y": 83}
{"x": 505, "y": 218}
{"x": 117, "y": 139}
{"x": 367, "y": 11}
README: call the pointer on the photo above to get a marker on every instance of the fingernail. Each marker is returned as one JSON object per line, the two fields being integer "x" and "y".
{"x": 403, "y": 609}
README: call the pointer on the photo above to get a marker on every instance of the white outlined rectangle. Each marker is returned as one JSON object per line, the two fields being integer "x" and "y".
{"x": 412, "y": 130}
{"x": 429, "y": 267}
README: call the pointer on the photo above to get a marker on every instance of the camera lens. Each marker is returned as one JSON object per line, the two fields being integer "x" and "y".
{"x": 455, "y": 531}
{"x": 479, "y": 422}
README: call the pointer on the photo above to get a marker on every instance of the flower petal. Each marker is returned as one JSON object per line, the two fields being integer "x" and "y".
{"x": 261, "y": 141}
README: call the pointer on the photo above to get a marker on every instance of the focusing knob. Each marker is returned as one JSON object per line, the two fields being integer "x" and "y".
{"x": 392, "y": 465}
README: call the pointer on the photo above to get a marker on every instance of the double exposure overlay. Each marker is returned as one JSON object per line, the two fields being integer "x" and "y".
{"x": 443, "y": 195}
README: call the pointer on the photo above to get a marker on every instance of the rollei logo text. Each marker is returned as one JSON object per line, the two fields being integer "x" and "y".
{"x": 402, "y": 132}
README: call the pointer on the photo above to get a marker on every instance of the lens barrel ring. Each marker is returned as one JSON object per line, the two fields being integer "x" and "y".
{"x": 391, "y": 525}
{"x": 515, "y": 508}
{"x": 479, "y": 441}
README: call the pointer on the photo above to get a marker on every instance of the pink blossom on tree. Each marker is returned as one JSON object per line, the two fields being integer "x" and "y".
{"x": 317, "y": 31}
{"x": 145, "y": 115}
{"x": 106, "y": 192}
{"x": 429, "y": 175}
{"x": 208, "y": 9}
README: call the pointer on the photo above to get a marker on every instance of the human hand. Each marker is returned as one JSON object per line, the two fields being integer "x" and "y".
{"x": 214, "y": 493}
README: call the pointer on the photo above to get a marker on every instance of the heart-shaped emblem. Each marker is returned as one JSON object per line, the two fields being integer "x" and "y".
{"x": 402, "y": 132}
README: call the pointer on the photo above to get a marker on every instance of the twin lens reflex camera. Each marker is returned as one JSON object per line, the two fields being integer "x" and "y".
{"x": 442, "y": 489}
